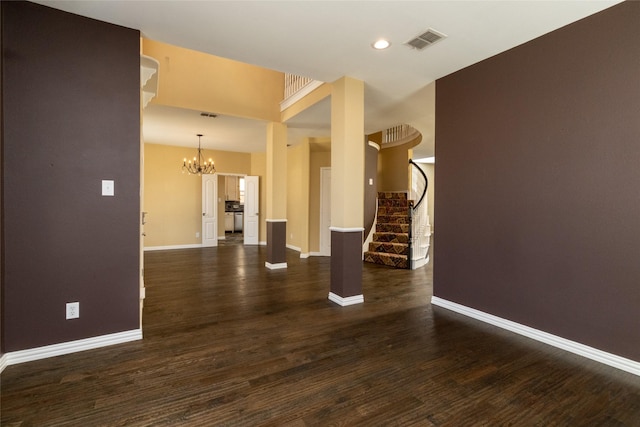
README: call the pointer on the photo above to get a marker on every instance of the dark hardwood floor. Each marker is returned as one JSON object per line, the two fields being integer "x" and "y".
{"x": 229, "y": 342}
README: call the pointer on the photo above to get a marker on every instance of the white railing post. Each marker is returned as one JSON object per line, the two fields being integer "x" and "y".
{"x": 293, "y": 84}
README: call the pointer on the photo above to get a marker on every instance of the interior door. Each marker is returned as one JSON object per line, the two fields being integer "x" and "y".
{"x": 251, "y": 210}
{"x": 209, "y": 210}
{"x": 325, "y": 211}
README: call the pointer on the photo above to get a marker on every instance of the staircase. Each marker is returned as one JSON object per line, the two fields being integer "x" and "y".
{"x": 390, "y": 245}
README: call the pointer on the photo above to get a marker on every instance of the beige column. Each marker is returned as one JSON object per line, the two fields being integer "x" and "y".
{"x": 347, "y": 190}
{"x": 276, "y": 195}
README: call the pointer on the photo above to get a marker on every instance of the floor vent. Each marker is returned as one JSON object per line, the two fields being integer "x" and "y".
{"x": 425, "y": 39}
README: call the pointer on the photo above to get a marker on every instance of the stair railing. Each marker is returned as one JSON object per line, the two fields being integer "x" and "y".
{"x": 419, "y": 227}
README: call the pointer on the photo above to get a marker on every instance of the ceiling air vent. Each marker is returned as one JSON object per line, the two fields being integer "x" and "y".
{"x": 425, "y": 39}
{"x": 208, "y": 115}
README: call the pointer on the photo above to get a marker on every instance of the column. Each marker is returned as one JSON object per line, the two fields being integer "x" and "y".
{"x": 347, "y": 190}
{"x": 276, "y": 196}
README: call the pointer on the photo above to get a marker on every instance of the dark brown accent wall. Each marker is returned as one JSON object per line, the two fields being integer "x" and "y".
{"x": 1, "y": 192}
{"x": 70, "y": 94}
{"x": 346, "y": 263}
{"x": 537, "y": 183}
{"x": 276, "y": 242}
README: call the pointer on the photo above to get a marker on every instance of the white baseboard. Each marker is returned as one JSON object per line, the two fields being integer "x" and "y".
{"x": 610, "y": 359}
{"x": 420, "y": 263}
{"x": 275, "y": 266}
{"x": 3, "y": 362}
{"x": 316, "y": 254}
{"x": 262, "y": 243}
{"x": 344, "y": 301}
{"x": 166, "y": 248}
{"x": 31, "y": 354}
{"x": 297, "y": 249}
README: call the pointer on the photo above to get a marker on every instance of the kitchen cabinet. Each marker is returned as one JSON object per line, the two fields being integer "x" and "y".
{"x": 232, "y": 188}
{"x": 228, "y": 221}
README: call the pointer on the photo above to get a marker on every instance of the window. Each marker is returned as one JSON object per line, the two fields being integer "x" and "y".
{"x": 242, "y": 190}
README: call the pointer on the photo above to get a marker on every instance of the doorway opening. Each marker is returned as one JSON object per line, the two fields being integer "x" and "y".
{"x": 237, "y": 207}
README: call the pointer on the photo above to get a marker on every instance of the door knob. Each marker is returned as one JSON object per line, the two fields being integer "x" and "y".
{"x": 203, "y": 213}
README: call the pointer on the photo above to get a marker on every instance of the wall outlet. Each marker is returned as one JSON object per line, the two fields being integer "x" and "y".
{"x": 108, "y": 187}
{"x": 73, "y": 310}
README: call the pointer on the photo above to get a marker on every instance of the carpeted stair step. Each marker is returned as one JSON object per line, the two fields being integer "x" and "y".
{"x": 389, "y": 248}
{"x": 390, "y": 241}
{"x": 390, "y": 260}
{"x": 393, "y": 203}
{"x": 393, "y": 219}
{"x": 393, "y": 210}
{"x": 392, "y": 228}
{"x": 392, "y": 195}
{"x": 391, "y": 237}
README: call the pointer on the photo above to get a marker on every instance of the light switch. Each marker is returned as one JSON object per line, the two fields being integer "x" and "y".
{"x": 108, "y": 187}
{"x": 370, "y": 181}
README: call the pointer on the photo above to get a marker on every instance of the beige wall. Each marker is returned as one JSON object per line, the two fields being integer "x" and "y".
{"x": 318, "y": 159}
{"x": 204, "y": 82}
{"x": 393, "y": 169}
{"x": 172, "y": 199}
{"x": 298, "y": 196}
{"x": 347, "y": 153}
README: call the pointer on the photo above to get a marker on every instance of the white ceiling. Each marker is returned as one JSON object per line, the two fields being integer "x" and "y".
{"x": 326, "y": 40}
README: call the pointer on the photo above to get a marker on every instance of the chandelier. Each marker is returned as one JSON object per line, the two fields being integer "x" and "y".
{"x": 198, "y": 166}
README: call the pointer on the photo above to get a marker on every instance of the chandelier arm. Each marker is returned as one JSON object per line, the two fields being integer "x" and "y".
{"x": 199, "y": 166}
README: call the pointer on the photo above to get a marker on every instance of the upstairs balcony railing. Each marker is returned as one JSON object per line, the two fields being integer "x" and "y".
{"x": 398, "y": 135}
{"x": 296, "y": 87}
{"x": 293, "y": 83}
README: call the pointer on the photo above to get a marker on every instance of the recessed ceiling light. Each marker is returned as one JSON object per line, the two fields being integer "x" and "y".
{"x": 381, "y": 44}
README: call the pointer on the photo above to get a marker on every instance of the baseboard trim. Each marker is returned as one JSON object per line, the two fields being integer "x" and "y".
{"x": 275, "y": 266}
{"x": 347, "y": 229}
{"x": 29, "y": 355}
{"x": 345, "y": 301}
{"x": 263, "y": 243}
{"x": 304, "y": 255}
{"x": 294, "y": 248}
{"x": 171, "y": 247}
{"x": 420, "y": 263}
{"x": 583, "y": 350}
{"x": 3, "y": 362}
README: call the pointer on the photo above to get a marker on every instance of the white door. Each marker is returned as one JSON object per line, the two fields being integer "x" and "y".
{"x": 251, "y": 210}
{"x": 325, "y": 211}
{"x": 209, "y": 210}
